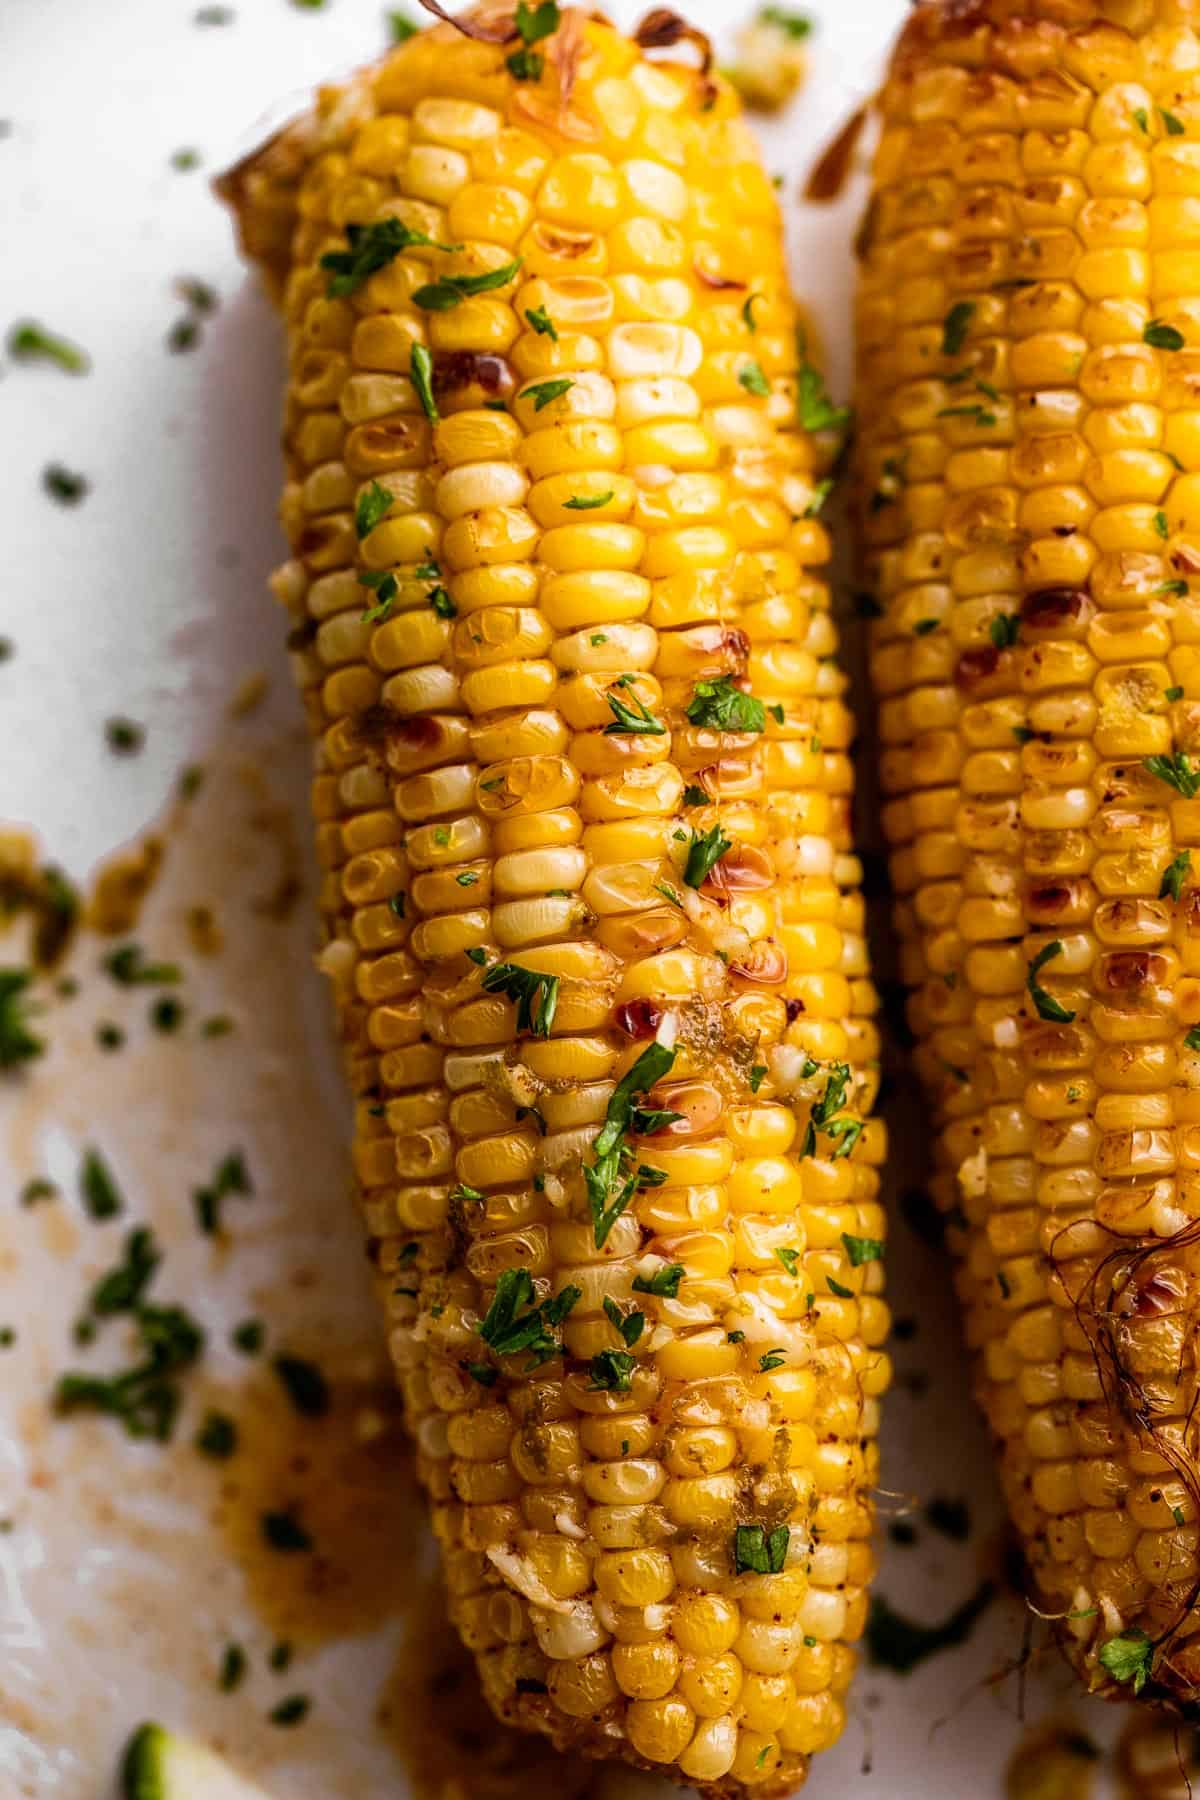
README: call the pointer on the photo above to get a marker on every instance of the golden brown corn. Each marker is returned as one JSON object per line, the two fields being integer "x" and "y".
{"x": 1030, "y": 460}
{"x": 590, "y": 905}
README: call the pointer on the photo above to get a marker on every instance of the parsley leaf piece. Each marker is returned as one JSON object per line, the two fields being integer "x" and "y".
{"x": 722, "y": 706}
{"x": 534, "y": 23}
{"x": 401, "y": 27}
{"x": 923, "y": 627}
{"x": 17, "y": 1042}
{"x": 694, "y": 796}
{"x": 816, "y": 409}
{"x": 122, "y": 1288}
{"x": 1173, "y": 875}
{"x": 1177, "y": 771}
{"x": 30, "y": 342}
{"x": 794, "y": 24}
{"x": 751, "y": 377}
{"x": 955, "y": 326}
{"x": 1047, "y": 1006}
{"x": 757, "y": 1551}
{"x": 535, "y": 995}
{"x": 1129, "y": 1657}
{"x": 629, "y": 1325}
{"x": 543, "y": 392}
{"x": 292, "y": 1711}
{"x": 449, "y": 291}
{"x": 587, "y": 502}
{"x": 640, "y": 722}
{"x": 612, "y": 1369}
{"x": 704, "y": 852}
{"x": 129, "y": 967}
{"x": 861, "y": 1250}
{"x": 835, "y": 1287}
{"x": 421, "y": 374}
{"x": 283, "y": 1531}
{"x": 1161, "y": 525}
{"x": 772, "y": 1359}
{"x": 1005, "y": 630}
{"x": 541, "y": 322}
{"x": 789, "y": 1259}
{"x": 372, "y": 247}
{"x": 748, "y": 312}
{"x": 664, "y": 1283}
{"x": 373, "y": 504}
{"x": 233, "y": 1667}
{"x": 217, "y": 1436}
{"x": 304, "y": 1384}
{"x": 508, "y": 1331}
{"x": 1174, "y": 126}
{"x": 101, "y": 1195}
{"x": 1162, "y": 337}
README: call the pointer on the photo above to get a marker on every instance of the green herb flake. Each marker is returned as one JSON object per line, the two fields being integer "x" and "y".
{"x": 978, "y": 415}
{"x": 166, "y": 1014}
{"x": 372, "y": 247}
{"x": 587, "y": 502}
{"x": 771, "y": 1359}
{"x": 292, "y": 1711}
{"x": 65, "y": 485}
{"x": 735, "y": 1337}
{"x": 450, "y": 291}
{"x": 1177, "y": 771}
{"x": 751, "y": 377}
{"x": 664, "y": 1283}
{"x": 1004, "y": 630}
{"x": 610, "y": 1182}
{"x": 1192, "y": 1040}
{"x": 516, "y": 1322}
{"x": 30, "y": 342}
{"x": 1174, "y": 126}
{"x": 1162, "y": 337}
{"x": 1172, "y": 694}
{"x": 757, "y": 1551}
{"x": 817, "y": 412}
{"x": 535, "y": 995}
{"x": 400, "y": 27}
{"x": 1174, "y": 875}
{"x": 35, "y": 1190}
{"x": 628, "y": 1326}
{"x": 612, "y": 1369}
{"x": 704, "y": 852}
{"x": 101, "y": 1195}
{"x": 122, "y": 1288}
{"x": 861, "y": 1250}
{"x": 145, "y": 1399}
{"x": 956, "y": 325}
{"x": 233, "y": 1668}
{"x": 128, "y": 967}
{"x": 543, "y": 392}
{"x": 756, "y": 1077}
{"x": 304, "y": 1385}
{"x": 789, "y": 1259}
{"x": 217, "y": 1436}
{"x": 248, "y": 1337}
{"x": 1129, "y": 1658}
{"x": 282, "y": 1531}
{"x": 18, "y": 1044}
{"x": 1047, "y": 1006}
{"x": 795, "y": 25}
{"x": 719, "y": 705}
{"x": 421, "y": 375}
{"x": 923, "y": 627}
{"x": 1141, "y": 118}
{"x": 748, "y": 312}
{"x": 483, "y": 1373}
{"x": 1161, "y": 525}
{"x": 636, "y": 719}
{"x": 373, "y": 505}
{"x": 835, "y": 1287}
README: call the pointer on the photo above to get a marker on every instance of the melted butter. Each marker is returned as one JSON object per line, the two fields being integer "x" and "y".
{"x": 432, "y": 1711}
{"x": 347, "y": 1478}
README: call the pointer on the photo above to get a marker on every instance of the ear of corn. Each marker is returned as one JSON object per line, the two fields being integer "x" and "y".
{"x": 1029, "y": 326}
{"x": 591, "y": 908}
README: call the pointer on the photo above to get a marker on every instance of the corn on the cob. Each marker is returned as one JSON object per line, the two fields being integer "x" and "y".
{"x": 1030, "y": 289}
{"x": 590, "y": 903}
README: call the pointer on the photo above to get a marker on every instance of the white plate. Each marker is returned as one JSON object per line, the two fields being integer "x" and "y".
{"x": 128, "y": 1568}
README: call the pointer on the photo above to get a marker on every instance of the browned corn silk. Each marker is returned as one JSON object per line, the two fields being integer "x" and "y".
{"x": 546, "y": 445}
{"x": 1030, "y": 421}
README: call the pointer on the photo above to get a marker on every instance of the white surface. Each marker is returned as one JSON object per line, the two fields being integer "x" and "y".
{"x": 115, "y": 1592}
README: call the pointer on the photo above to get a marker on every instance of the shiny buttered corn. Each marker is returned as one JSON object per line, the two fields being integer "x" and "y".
{"x": 1029, "y": 331}
{"x": 590, "y": 905}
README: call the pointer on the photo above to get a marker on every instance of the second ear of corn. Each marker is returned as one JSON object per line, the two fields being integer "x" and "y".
{"x": 590, "y": 903}
{"x": 1029, "y": 323}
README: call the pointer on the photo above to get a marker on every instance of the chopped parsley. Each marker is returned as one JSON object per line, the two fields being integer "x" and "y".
{"x": 233, "y": 1667}
{"x": 1141, "y": 118}
{"x": 704, "y": 852}
{"x": 861, "y": 1250}
{"x": 535, "y": 995}
{"x": 751, "y": 377}
{"x": 1192, "y": 1040}
{"x": 304, "y": 1385}
{"x": 771, "y": 1359}
{"x": 18, "y": 1045}
{"x": 612, "y": 1369}
{"x": 795, "y": 25}
{"x": 539, "y": 320}
{"x": 694, "y": 796}
{"x": 979, "y": 415}
{"x": 1160, "y": 524}
{"x": 373, "y": 504}
{"x": 1174, "y": 874}
{"x": 532, "y": 25}
{"x": 282, "y": 1531}
{"x": 748, "y": 312}
{"x": 817, "y": 412}
{"x": 609, "y": 1183}
{"x": 229, "y": 1177}
{"x": 1004, "y": 630}
{"x": 101, "y": 1195}
{"x": 421, "y": 374}
{"x": 386, "y": 590}
{"x": 789, "y": 1259}
{"x": 824, "y": 1116}
{"x": 508, "y": 1331}
{"x": 1129, "y": 1658}
{"x": 217, "y": 1436}
{"x": 30, "y": 342}
{"x": 372, "y": 247}
{"x": 1047, "y": 1006}
{"x": 292, "y": 1711}
{"x": 64, "y": 485}
{"x": 757, "y": 1076}
{"x": 248, "y": 1337}
{"x": 836, "y": 1287}
{"x": 145, "y": 1399}
{"x": 1177, "y": 771}
{"x": 721, "y": 705}
{"x": 1174, "y": 126}
{"x": 121, "y": 1290}
{"x": 821, "y": 493}
{"x": 450, "y": 291}
{"x": 587, "y": 502}
{"x": 1172, "y": 694}
{"x": 637, "y": 719}
{"x": 543, "y": 392}
{"x": 129, "y": 968}
{"x": 401, "y": 27}
{"x": 955, "y": 326}
{"x": 923, "y": 627}
{"x": 664, "y": 1283}
{"x": 1162, "y": 337}
{"x": 629, "y": 1326}
{"x": 757, "y": 1551}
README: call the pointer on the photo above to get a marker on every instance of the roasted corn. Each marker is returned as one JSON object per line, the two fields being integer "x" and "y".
{"x": 1030, "y": 509}
{"x": 590, "y": 906}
